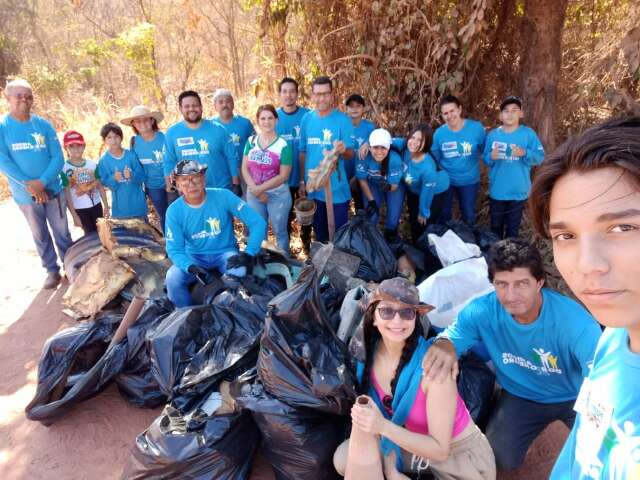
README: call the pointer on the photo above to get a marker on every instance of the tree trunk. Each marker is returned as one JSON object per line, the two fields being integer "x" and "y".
{"x": 541, "y": 59}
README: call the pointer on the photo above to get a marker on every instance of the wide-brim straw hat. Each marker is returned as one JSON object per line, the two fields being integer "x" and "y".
{"x": 398, "y": 290}
{"x": 142, "y": 111}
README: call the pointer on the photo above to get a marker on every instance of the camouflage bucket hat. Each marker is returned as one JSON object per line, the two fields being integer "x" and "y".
{"x": 399, "y": 290}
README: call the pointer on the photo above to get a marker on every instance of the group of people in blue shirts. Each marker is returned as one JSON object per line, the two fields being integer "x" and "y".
{"x": 543, "y": 344}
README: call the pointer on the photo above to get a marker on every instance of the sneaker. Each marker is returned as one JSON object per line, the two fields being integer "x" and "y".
{"x": 52, "y": 280}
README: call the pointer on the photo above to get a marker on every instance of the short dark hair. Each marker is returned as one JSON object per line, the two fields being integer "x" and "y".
{"x": 427, "y": 136}
{"x": 266, "y": 108}
{"x": 322, "y": 80}
{"x": 510, "y": 253}
{"x": 287, "y": 80}
{"x": 449, "y": 99}
{"x": 188, "y": 93}
{"x": 614, "y": 143}
{"x": 110, "y": 127}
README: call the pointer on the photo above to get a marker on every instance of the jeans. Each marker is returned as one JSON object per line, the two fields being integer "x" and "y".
{"x": 178, "y": 281}
{"x": 466, "y": 195}
{"x": 275, "y": 211}
{"x": 394, "y": 201}
{"x": 340, "y": 213}
{"x": 53, "y": 212}
{"x": 516, "y": 422}
{"x": 160, "y": 201}
{"x": 413, "y": 205}
{"x": 506, "y": 216}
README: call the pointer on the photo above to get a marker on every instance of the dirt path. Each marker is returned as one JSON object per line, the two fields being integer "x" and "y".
{"x": 94, "y": 439}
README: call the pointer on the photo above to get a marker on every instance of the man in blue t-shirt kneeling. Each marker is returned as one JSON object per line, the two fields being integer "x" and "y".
{"x": 199, "y": 232}
{"x": 541, "y": 343}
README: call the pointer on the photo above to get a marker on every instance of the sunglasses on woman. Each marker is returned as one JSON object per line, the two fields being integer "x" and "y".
{"x": 387, "y": 313}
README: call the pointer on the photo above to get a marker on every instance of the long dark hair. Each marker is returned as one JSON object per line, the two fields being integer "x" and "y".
{"x": 371, "y": 336}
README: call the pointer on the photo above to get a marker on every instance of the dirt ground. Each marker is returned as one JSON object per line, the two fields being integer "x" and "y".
{"x": 94, "y": 439}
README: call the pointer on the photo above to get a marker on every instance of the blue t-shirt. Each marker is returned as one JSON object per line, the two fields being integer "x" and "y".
{"x": 544, "y": 361}
{"x": 208, "y": 144}
{"x": 509, "y": 176}
{"x": 288, "y": 127}
{"x": 360, "y": 135}
{"x": 127, "y": 197}
{"x": 150, "y": 156}
{"x": 240, "y": 129}
{"x": 317, "y": 134}
{"x": 605, "y": 439}
{"x": 459, "y": 152}
{"x": 370, "y": 170}
{"x": 423, "y": 179}
{"x": 30, "y": 151}
{"x": 208, "y": 229}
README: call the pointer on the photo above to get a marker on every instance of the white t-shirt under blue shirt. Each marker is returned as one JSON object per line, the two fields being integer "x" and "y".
{"x": 544, "y": 361}
{"x": 605, "y": 440}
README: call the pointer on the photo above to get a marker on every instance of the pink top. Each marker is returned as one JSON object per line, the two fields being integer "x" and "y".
{"x": 417, "y": 420}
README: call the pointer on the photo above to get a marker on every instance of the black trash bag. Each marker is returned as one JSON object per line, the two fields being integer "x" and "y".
{"x": 76, "y": 365}
{"x": 332, "y": 299}
{"x": 461, "y": 229}
{"x": 302, "y": 362}
{"x": 476, "y": 384}
{"x": 485, "y": 238}
{"x": 89, "y": 245}
{"x": 299, "y": 444}
{"x": 194, "y": 349}
{"x": 361, "y": 238}
{"x": 220, "y": 447}
{"x": 136, "y": 382}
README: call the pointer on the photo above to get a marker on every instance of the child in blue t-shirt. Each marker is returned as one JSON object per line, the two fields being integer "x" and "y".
{"x": 362, "y": 128}
{"x": 121, "y": 172}
{"x": 585, "y": 199}
{"x": 510, "y": 151}
{"x": 379, "y": 175}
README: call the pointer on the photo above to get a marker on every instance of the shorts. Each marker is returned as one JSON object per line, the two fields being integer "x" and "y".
{"x": 470, "y": 458}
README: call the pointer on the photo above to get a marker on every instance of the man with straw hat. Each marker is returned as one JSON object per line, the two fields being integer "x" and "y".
{"x": 147, "y": 144}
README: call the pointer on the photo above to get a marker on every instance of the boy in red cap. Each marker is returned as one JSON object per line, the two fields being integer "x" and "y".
{"x": 81, "y": 185}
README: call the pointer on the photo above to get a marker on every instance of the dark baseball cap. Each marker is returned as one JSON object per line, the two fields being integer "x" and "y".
{"x": 354, "y": 97}
{"x": 511, "y": 99}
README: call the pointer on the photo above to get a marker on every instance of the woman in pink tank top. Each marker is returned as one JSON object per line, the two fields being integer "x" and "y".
{"x": 423, "y": 422}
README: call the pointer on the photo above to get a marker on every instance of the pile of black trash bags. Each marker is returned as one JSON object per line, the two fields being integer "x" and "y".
{"x": 257, "y": 365}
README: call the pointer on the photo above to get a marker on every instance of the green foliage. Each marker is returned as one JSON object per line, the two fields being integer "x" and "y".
{"x": 138, "y": 44}
{"x": 46, "y": 81}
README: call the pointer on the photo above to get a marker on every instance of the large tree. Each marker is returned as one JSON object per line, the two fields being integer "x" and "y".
{"x": 540, "y": 64}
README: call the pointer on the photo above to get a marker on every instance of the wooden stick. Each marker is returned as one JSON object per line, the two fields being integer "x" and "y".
{"x": 130, "y": 316}
{"x": 328, "y": 197}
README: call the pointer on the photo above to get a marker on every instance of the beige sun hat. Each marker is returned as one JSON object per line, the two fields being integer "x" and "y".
{"x": 142, "y": 111}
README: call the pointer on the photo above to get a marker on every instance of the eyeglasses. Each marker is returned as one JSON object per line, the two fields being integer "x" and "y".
{"x": 190, "y": 179}
{"x": 22, "y": 96}
{"x": 387, "y": 313}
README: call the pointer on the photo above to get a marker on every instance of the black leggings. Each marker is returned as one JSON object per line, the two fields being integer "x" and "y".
{"x": 89, "y": 216}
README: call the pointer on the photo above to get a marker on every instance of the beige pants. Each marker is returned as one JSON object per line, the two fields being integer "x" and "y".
{"x": 470, "y": 458}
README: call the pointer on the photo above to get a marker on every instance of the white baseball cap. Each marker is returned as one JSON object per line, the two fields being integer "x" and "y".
{"x": 380, "y": 138}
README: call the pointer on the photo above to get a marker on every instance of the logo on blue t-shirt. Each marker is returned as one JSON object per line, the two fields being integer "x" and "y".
{"x": 235, "y": 138}
{"x": 214, "y": 225}
{"x": 40, "y": 143}
{"x": 541, "y": 361}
